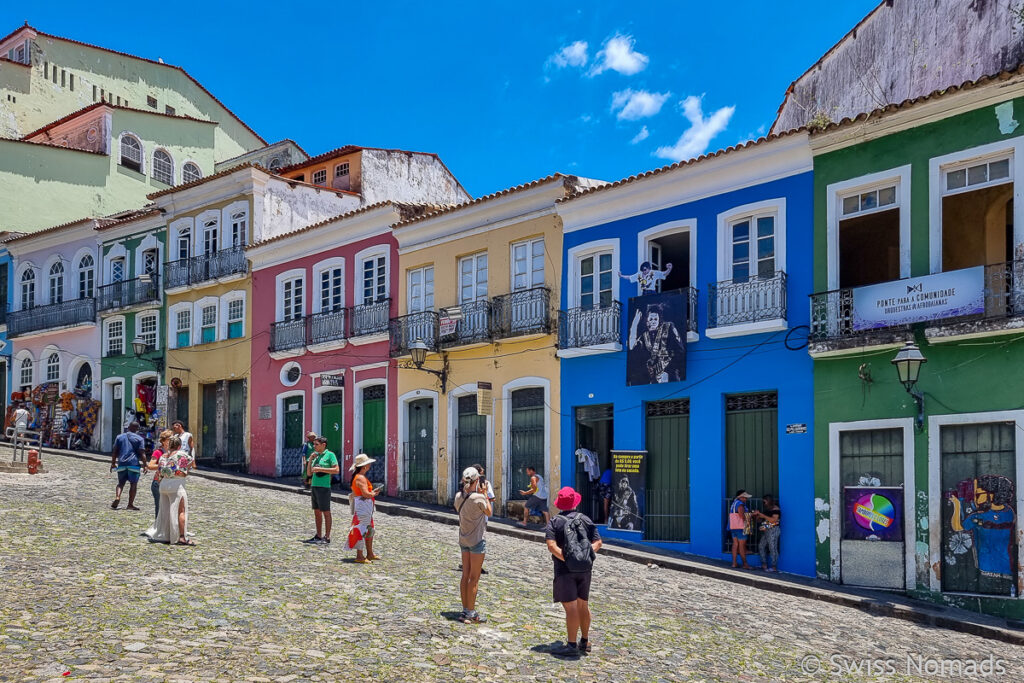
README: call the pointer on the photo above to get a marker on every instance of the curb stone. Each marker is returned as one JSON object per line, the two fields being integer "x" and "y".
{"x": 876, "y": 603}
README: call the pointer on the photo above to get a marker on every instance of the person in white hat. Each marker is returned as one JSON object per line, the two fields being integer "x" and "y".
{"x": 360, "y": 537}
{"x": 473, "y": 508}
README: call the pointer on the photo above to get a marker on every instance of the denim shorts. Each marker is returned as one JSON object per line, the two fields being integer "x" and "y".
{"x": 738, "y": 534}
{"x": 478, "y": 549}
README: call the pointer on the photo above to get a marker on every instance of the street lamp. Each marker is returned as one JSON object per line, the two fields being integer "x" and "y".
{"x": 418, "y": 350}
{"x": 908, "y": 364}
{"x": 139, "y": 346}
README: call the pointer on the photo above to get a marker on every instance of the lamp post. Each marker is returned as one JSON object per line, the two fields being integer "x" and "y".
{"x": 139, "y": 346}
{"x": 908, "y": 364}
{"x": 418, "y": 350}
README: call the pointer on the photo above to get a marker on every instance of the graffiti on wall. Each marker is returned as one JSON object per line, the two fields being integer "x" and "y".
{"x": 982, "y": 518}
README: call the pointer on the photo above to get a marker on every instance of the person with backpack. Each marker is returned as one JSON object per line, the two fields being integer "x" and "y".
{"x": 573, "y": 542}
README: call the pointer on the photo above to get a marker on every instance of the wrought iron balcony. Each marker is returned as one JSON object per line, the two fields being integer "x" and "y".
{"x": 406, "y": 329}
{"x": 756, "y": 300}
{"x": 140, "y": 290}
{"x": 327, "y": 326}
{"x": 582, "y": 327}
{"x": 473, "y": 328}
{"x": 527, "y": 311}
{"x": 52, "y": 316}
{"x": 370, "y": 318}
{"x": 286, "y": 335}
{"x": 205, "y": 267}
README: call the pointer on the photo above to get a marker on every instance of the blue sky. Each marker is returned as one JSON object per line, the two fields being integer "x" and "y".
{"x": 505, "y": 92}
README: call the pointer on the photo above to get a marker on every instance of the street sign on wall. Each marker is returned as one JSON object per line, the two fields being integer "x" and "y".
{"x": 484, "y": 401}
{"x": 332, "y": 380}
{"x": 919, "y": 299}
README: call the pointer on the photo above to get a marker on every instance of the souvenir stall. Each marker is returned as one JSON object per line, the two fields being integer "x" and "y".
{"x": 147, "y": 412}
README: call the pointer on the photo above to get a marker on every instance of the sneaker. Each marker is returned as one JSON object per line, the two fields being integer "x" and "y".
{"x": 566, "y": 650}
{"x": 473, "y": 617}
{"x": 325, "y": 541}
{"x": 314, "y": 540}
{"x": 584, "y": 646}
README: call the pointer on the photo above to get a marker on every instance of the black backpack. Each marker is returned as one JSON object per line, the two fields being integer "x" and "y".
{"x": 578, "y": 553}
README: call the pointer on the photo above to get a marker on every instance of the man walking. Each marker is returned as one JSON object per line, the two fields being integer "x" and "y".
{"x": 125, "y": 458}
{"x": 573, "y": 542}
{"x": 187, "y": 442}
{"x": 322, "y": 464}
{"x": 537, "y": 497}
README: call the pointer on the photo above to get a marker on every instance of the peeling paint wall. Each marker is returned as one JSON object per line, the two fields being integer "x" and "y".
{"x": 287, "y": 208}
{"x": 407, "y": 177}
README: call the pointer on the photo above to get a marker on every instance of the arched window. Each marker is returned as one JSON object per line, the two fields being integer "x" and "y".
{"x": 57, "y": 283}
{"x": 163, "y": 167}
{"x": 53, "y": 367}
{"x": 275, "y": 164}
{"x": 86, "y": 277}
{"x": 131, "y": 153}
{"x": 26, "y": 374}
{"x": 28, "y": 289}
{"x": 184, "y": 246}
{"x": 190, "y": 172}
{"x": 84, "y": 381}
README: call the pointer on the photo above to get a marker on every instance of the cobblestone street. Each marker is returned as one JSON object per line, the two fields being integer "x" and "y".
{"x": 84, "y": 593}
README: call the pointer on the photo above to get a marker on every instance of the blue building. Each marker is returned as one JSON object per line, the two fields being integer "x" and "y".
{"x": 710, "y": 389}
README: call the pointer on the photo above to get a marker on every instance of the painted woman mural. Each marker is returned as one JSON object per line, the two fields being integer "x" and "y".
{"x": 982, "y": 521}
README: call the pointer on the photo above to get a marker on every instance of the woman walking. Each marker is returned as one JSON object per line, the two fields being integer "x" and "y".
{"x": 172, "y": 520}
{"x": 739, "y": 521}
{"x": 473, "y": 507}
{"x": 360, "y": 536}
{"x": 154, "y": 466}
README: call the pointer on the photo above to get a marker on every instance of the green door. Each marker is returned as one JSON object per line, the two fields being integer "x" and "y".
{"x": 668, "y": 471}
{"x": 208, "y": 441}
{"x": 979, "y": 552}
{"x": 331, "y": 409}
{"x": 526, "y": 439}
{"x": 181, "y": 406}
{"x": 236, "y": 423}
{"x": 419, "y": 445}
{"x": 291, "y": 446}
{"x": 374, "y": 417}
{"x": 751, "y": 451}
{"x": 470, "y": 438}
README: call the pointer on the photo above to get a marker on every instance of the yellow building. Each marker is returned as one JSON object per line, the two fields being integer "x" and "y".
{"x": 478, "y": 288}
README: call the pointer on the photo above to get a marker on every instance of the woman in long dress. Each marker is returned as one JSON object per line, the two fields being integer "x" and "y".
{"x": 172, "y": 520}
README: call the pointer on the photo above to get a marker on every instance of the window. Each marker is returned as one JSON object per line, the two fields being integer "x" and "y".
{"x": 57, "y": 283}
{"x": 117, "y": 270}
{"x": 151, "y": 101}
{"x": 86, "y": 277}
{"x": 753, "y": 247}
{"x": 375, "y": 279}
{"x": 53, "y": 367}
{"x": 183, "y": 328}
{"x": 147, "y": 330}
{"x": 208, "y": 330}
{"x": 210, "y": 235}
{"x": 275, "y": 164}
{"x": 169, "y": 110}
{"x": 528, "y": 264}
{"x": 26, "y": 374}
{"x": 977, "y": 214}
{"x": 292, "y": 309}
{"x": 978, "y": 175}
{"x": 150, "y": 261}
{"x": 236, "y": 317}
{"x": 869, "y": 235}
{"x": 190, "y": 172}
{"x": 871, "y": 200}
{"x": 331, "y": 295}
{"x": 131, "y": 153}
{"x": 115, "y": 337}
{"x": 473, "y": 278}
{"x": 239, "y": 220}
{"x": 596, "y": 280}
{"x": 320, "y": 177}
{"x": 341, "y": 170}
{"x": 184, "y": 245}
{"x": 163, "y": 167}
{"x": 28, "y": 289}
{"x": 421, "y": 289}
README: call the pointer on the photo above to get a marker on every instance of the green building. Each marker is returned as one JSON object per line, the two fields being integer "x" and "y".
{"x": 919, "y": 249}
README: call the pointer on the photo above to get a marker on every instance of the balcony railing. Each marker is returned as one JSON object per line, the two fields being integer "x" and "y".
{"x": 370, "y": 318}
{"x": 327, "y": 326}
{"x": 223, "y": 263}
{"x": 406, "y": 329}
{"x": 581, "y": 327}
{"x": 140, "y": 290}
{"x": 833, "y": 313}
{"x": 527, "y": 311}
{"x": 64, "y": 314}
{"x": 286, "y": 335}
{"x": 736, "y": 303}
{"x": 474, "y": 327}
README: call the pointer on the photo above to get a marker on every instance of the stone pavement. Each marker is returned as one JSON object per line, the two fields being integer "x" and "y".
{"x": 83, "y": 593}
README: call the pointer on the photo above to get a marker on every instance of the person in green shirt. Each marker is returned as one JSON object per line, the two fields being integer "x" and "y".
{"x": 322, "y": 464}
{"x": 307, "y": 452}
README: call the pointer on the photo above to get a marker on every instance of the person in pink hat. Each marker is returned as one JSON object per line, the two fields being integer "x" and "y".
{"x": 573, "y": 542}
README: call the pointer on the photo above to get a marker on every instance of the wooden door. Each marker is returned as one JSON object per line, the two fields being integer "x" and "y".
{"x": 668, "y": 471}
{"x": 208, "y": 427}
{"x": 235, "y": 454}
{"x": 374, "y": 426}
{"x": 331, "y": 416}
{"x": 470, "y": 438}
{"x": 419, "y": 445}
{"x": 526, "y": 439}
{"x": 293, "y": 438}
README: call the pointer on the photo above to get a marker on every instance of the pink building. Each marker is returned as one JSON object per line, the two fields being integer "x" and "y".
{"x": 323, "y": 298}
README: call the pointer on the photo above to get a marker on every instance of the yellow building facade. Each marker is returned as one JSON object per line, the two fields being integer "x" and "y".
{"x": 478, "y": 297}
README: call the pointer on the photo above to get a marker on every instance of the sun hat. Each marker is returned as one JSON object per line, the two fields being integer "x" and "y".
{"x": 470, "y": 474}
{"x": 743, "y": 494}
{"x": 567, "y": 499}
{"x": 361, "y": 459}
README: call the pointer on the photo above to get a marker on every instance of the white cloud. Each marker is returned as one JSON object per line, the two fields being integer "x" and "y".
{"x": 618, "y": 55}
{"x": 574, "y": 54}
{"x": 633, "y": 105}
{"x": 695, "y": 140}
{"x": 641, "y": 136}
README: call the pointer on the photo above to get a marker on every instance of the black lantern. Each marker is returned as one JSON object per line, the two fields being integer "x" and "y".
{"x": 139, "y": 346}
{"x": 908, "y": 364}
{"x": 418, "y": 350}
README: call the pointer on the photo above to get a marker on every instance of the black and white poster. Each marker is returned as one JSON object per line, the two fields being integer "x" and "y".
{"x": 628, "y": 488}
{"x": 657, "y": 338}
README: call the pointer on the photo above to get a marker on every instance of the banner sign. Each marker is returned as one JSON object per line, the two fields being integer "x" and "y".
{"x": 629, "y": 489}
{"x": 919, "y": 299}
{"x": 657, "y": 338}
{"x": 332, "y": 380}
{"x": 873, "y": 513}
{"x": 484, "y": 400}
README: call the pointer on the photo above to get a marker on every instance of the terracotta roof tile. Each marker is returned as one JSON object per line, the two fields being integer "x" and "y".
{"x": 48, "y": 144}
{"x": 233, "y": 169}
{"x": 46, "y": 231}
{"x": 405, "y": 210}
{"x": 97, "y": 105}
{"x": 144, "y": 212}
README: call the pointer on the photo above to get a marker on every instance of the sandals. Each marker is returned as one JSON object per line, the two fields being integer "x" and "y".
{"x": 185, "y": 541}
{"x": 472, "y": 619}
{"x": 362, "y": 561}
{"x": 373, "y": 558}
{"x": 117, "y": 501}
{"x": 132, "y": 507}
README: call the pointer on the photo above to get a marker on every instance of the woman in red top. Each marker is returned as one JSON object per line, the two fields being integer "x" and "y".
{"x": 360, "y": 537}
{"x": 154, "y": 467}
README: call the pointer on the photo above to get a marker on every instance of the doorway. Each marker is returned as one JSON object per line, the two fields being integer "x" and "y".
{"x": 526, "y": 439}
{"x": 331, "y": 417}
{"x": 751, "y": 452}
{"x": 117, "y": 411}
{"x": 234, "y": 455}
{"x": 208, "y": 440}
{"x": 419, "y": 445}
{"x": 594, "y": 427}
{"x": 374, "y": 431}
{"x": 470, "y": 438}
{"x": 668, "y": 471}
{"x": 671, "y": 248}
{"x": 292, "y": 437}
